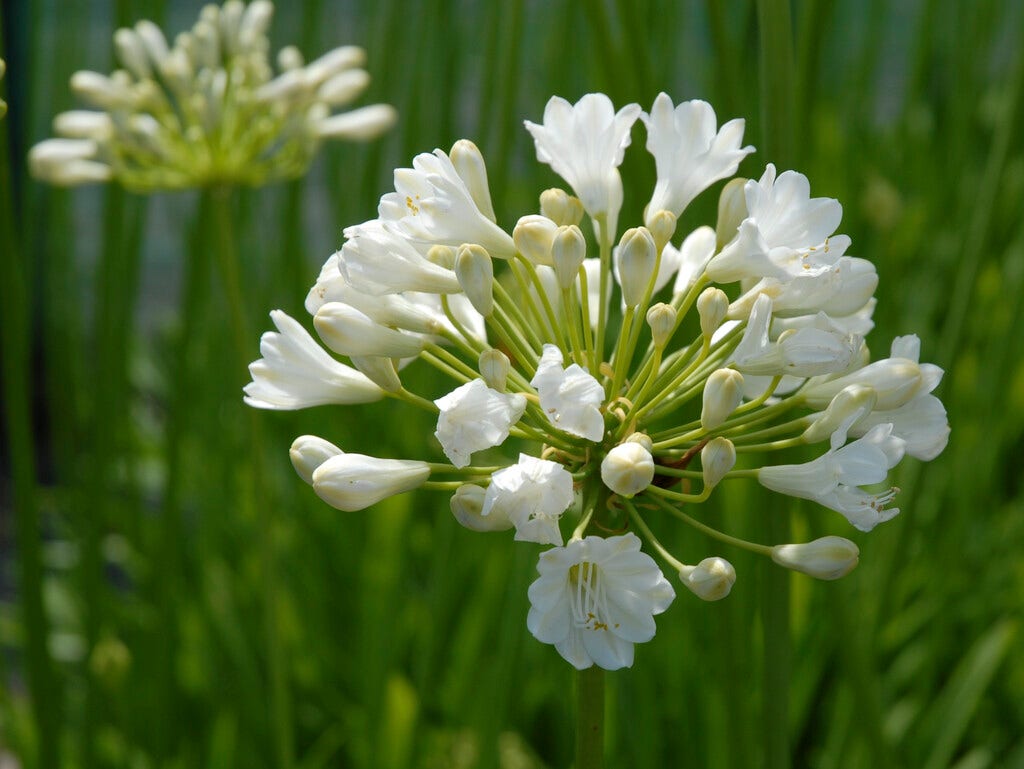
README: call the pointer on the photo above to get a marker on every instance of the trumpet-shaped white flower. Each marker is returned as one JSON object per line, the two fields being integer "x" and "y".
{"x": 475, "y": 417}
{"x": 832, "y": 479}
{"x": 584, "y": 144}
{"x": 208, "y": 110}
{"x": 804, "y": 352}
{"x": 295, "y": 372}
{"x": 378, "y": 261}
{"x": 690, "y": 152}
{"x": 532, "y": 494}
{"x": 352, "y": 482}
{"x": 595, "y": 598}
{"x": 433, "y": 205}
{"x": 570, "y": 397}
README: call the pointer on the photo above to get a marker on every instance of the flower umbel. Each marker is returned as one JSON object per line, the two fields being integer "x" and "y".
{"x": 207, "y": 109}
{"x": 593, "y": 442}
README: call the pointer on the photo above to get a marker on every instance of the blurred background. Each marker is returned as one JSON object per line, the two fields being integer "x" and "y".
{"x": 154, "y": 614}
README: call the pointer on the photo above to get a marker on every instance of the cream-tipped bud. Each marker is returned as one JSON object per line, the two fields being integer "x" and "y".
{"x": 662, "y": 225}
{"x": 344, "y": 87}
{"x": 308, "y": 452}
{"x": 627, "y": 469}
{"x": 132, "y": 53}
{"x": 475, "y": 271}
{"x": 843, "y": 411}
{"x": 467, "y": 504}
{"x": 661, "y": 318}
{"x": 712, "y": 306}
{"x": 723, "y": 392}
{"x": 732, "y": 209}
{"x": 825, "y": 558}
{"x": 716, "y": 459}
{"x": 532, "y": 236}
{"x": 560, "y": 207}
{"x": 469, "y": 165}
{"x": 494, "y": 366}
{"x": 568, "y": 250}
{"x": 710, "y": 580}
{"x": 442, "y": 256}
{"x": 643, "y": 439}
{"x": 380, "y": 371}
{"x": 637, "y": 259}
{"x": 355, "y": 481}
{"x": 289, "y": 58}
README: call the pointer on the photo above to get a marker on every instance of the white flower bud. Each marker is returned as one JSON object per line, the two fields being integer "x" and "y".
{"x": 344, "y": 87}
{"x": 349, "y": 332}
{"x": 335, "y": 61}
{"x": 494, "y": 366}
{"x": 845, "y": 409}
{"x": 467, "y": 504}
{"x": 895, "y": 380}
{"x": 363, "y": 123}
{"x": 825, "y": 558}
{"x": 732, "y": 209}
{"x": 723, "y": 392}
{"x": 475, "y": 272}
{"x": 84, "y": 124}
{"x": 710, "y": 580}
{"x": 308, "y": 452}
{"x": 568, "y": 250}
{"x": 643, "y": 439}
{"x": 132, "y": 53}
{"x": 469, "y": 165}
{"x": 561, "y": 207}
{"x": 716, "y": 459}
{"x": 379, "y": 370}
{"x": 354, "y": 481}
{"x": 661, "y": 318}
{"x": 289, "y": 58}
{"x": 100, "y": 90}
{"x": 637, "y": 259}
{"x": 442, "y": 256}
{"x": 662, "y": 226}
{"x": 532, "y": 236}
{"x": 712, "y": 306}
{"x": 628, "y": 469}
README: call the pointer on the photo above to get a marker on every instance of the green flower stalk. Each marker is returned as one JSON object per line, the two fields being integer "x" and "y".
{"x": 743, "y": 340}
{"x": 207, "y": 110}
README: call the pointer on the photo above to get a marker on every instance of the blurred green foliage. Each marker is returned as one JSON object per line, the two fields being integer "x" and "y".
{"x": 191, "y": 625}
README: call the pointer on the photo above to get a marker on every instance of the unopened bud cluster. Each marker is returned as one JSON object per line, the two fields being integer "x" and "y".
{"x": 207, "y": 109}
{"x": 585, "y": 417}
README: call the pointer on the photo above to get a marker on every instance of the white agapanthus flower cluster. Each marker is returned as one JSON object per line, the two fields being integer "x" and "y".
{"x": 207, "y": 109}
{"x": 582, "y": 432}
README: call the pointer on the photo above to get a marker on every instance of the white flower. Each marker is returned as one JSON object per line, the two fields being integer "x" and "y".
{"x": 690, "y": 153}
{"x": 377, "y": 261}
{"x": 570, "y": 397}
{"x": 786, "y": 232}
{"x": 295, "y": 372}
{"x": 628, "y": 469}
{"x": 832, "y": 479}
{"x": 803, "y": 352}
{"x": 584, "y": 144}
{"x": 595, "y": 598}
{"x": 432, "y": 204}
{"x": 533, "y": 494}
{"x": 355, "y": 481}
{"x": 475, "y": 417}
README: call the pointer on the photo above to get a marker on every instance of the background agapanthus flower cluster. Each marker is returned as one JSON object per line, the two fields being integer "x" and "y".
{"x": 617, "y": 410}
{"x": 207, "y": 109}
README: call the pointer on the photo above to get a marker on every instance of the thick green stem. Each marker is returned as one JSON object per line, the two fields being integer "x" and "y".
{"x": 590, "y": 718}
{"x": 230, "y": 273}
